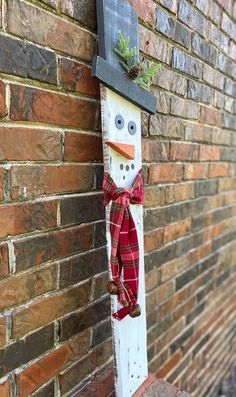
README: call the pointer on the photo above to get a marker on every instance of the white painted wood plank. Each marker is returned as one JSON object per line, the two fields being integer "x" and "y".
{"x": 129, "y": 335}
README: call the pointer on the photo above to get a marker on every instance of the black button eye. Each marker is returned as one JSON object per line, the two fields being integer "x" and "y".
{"x": 119, "y": 121}
{"x": 132, "y": 128}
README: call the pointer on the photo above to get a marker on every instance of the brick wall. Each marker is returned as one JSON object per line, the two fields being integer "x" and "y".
{"x": 54, "y": 313}
{"x": 55, "y": 332}
{"x": 190, "y": 155}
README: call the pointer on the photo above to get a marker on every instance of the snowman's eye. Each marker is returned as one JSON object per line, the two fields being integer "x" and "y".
{"x": 132, "y": 128}
{"x": 119, "y": 121}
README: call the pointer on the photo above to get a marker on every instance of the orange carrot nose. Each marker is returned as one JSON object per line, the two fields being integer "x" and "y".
{"x": 124, "y": 149}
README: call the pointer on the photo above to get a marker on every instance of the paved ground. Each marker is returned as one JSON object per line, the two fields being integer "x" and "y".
{"x": 103, "y": 386}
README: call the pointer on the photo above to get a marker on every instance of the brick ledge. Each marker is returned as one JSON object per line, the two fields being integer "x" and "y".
{"x": 154, "y": 387}
{"x": 103, "y": 386}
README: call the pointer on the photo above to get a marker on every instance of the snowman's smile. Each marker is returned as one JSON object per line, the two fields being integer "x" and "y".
{"x": 125, "y": 149}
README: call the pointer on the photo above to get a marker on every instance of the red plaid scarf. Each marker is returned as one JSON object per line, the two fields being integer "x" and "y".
{"x": 124, "y": 240}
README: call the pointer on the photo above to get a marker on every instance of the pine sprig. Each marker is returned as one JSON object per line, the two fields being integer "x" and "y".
{"x": 128, "y": 55}
{"x": 145, "y": 77}
{"x": 129, "y": 60}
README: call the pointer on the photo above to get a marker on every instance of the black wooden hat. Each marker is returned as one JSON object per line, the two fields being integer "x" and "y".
{"x": 114, "y": 16}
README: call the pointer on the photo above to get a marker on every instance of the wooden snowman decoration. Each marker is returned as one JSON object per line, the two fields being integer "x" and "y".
{"x": 121, "y": 104}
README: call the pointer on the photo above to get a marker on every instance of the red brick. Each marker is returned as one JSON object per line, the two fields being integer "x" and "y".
{"x": 182, "y": 263}
{"x": 165, "y": 172}
{"x": 29, "y": 104}
{"x": 82, "y": 147}
{"x": 227, "y": 5}
{"x": 181, "y": 192}
{"x": 45, "y": 310}
{"x": 165, "y": 126}
{"x": 213, "y": 76}
{"x": 171, "y": 81}
{"x": 18, "y": 289}
{"x": 54, "y": 32}
{"x": 228, "y": 25}
{"x": 32, "y": 181}
{"x": 153, "y": 240}
{"x": 154, "y": 196}
{"x": 168, "y": 270}
{"x": 195, "y": 171}
{"x": 230, "y": 198}
{"x": 170, "y": 334}
{"x": 185, "y": 308}
{"x": 221, "y": 137}
{"x": 31, "y": 378}
{"x": 200, "y": 252}
{"x": 173, "y": 303}
{"x": 3, "y": 110}
{"x": 77, "y": 77}
{"x": 229, "y": 104}
{"x": 177, "y": 230}
{"x": 1, "y": 183}
{"x": 234, "y": 11}
{"x": 46, "y": 390}
{"x": 4, "y": 269}
{"x": 159, "y": 360}
{"x": 0, "y": 13}
{"x": 164, "y": 291}
{"x": 99, "y": 285}
{"x": 162, "y": 388}
{"x": 184, "y": 108}
{"x": 151, "y": 279}
{"x": 227, "y": 184}
{"x": 171, "y": 363}
{"x": 219, "y": 100}
{"x": 183, "y": 151}
{"x": 232, "y": 50}
{"x": 219, "y": 39}
{"x": 210, "y": 116}
{"x": 146, "y": 10}
{"x": 157, "y": 48}
{"x": 218, "y": 170}
{"x": 51, "y": 3}
{"x": 75, "y": 374}
{"x": 203, "y": 6}
{"x": 216, "y": 201}
{"x": 151, "y": 302}
{"x": 163, "y": 104}
{"x": 210, "y": 153}
{"x": 71, "y": 133}
{"x": 215, "y": 13}
{"x": 232, "y": 169}
{"x": 170, "y": 4}
{"x": 146, "y": 384}
{"x": 38, "y": 144}
{"x": 84, "y": 12}
{"x": 5, "y": 389}
{"x": 198, "y": 132}
{"x": 153, "y": 150}
{"x": 22, "y": 218}
{"x": 3, "y": 332}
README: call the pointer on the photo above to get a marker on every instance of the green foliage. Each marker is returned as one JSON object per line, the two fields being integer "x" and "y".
{"x": 128, "y": 60}
{"x": 128, "y": 55}
{"x": 150, "y": 69}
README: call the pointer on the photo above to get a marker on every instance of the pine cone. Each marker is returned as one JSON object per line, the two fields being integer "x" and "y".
{"x": 134, "y": 71}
